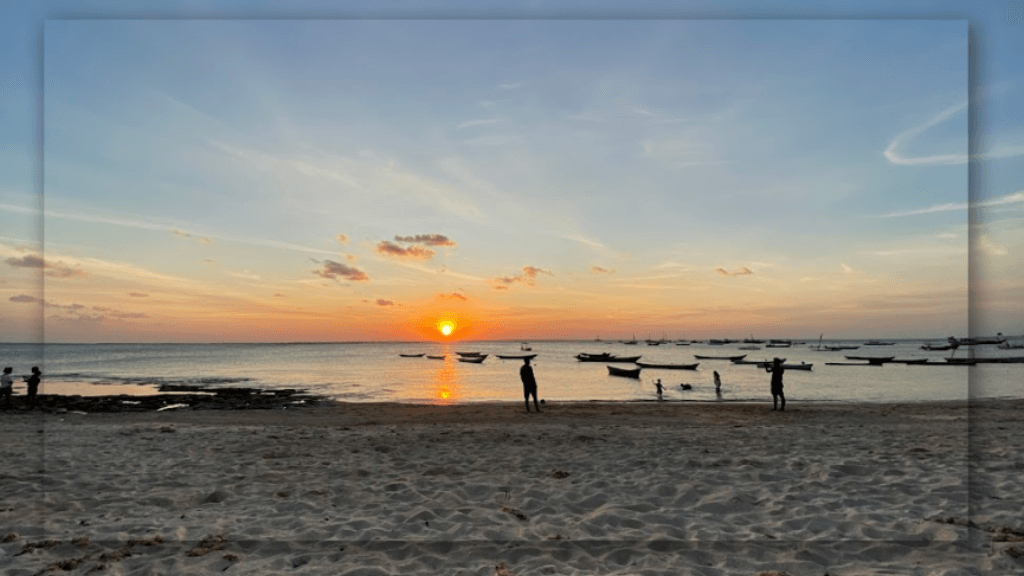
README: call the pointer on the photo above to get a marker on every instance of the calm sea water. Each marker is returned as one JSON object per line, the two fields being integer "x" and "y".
{"x": 363, "y": 372}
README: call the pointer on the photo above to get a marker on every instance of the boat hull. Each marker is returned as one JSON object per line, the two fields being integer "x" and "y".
{"x": 669, "y": 366}
{"x": 624, "y": 372}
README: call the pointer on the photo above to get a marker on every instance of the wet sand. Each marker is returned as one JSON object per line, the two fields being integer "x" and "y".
{"x": 583, "y": 488}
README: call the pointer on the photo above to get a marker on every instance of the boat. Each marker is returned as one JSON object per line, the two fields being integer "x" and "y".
{"x": 914, "y": 361}
{"x": 1008, "y": 346}
{"x": 682, "y": 343}
{"x": 930, "y": 346}
{"x": 625, "y": 372}
{"x": 995, "y": 360}
{"x": 998, "y": 339}
{"x": 411, "y": 355}
{"x": 516, "y": 356}
{"x": 878, "y": 343}
{"x": 468, "y": 354}
{"x": 526, "y": 348}
{"x": 836, "y": 348}
{"x": 800, "y": 366}
{"x": 851, "y": 364}
{"x": 778, "y": 345}
{"x": 760, "y": 362}
{"x": 748, "y": 348}
{"x": 966, "y": 361}
{"x": 751, "y": 340}
{"x": 436, "y": 357}
{"x": 733, "y": 358}
{"x": 872, "y": 359}
{"x": 605, "y": 357}
{"x": 668, "y": 366}
{"x": 473, "y": 359}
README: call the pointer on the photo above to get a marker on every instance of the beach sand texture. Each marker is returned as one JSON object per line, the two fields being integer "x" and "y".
{"x": 585, "y": 488}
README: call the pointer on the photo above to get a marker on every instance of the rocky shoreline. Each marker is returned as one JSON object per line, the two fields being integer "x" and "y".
{"x": 172, "y": 397}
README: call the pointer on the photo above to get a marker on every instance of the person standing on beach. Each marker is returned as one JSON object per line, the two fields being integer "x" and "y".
{"x": 776, "y": 370}
{"x": 660, "y": 388}
{"x": 718, "y": 383}
{"x": 529, "y": 384}
{"x": 7, "y": 386}
{"x": 33, "y": 385}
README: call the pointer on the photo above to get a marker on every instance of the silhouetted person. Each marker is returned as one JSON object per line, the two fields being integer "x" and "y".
{"x": 776, "y": 370}
{"x": 7, "y": 386}
{"x": 718, "y": 383}
{"x": 33, "y": 385}
{"x": 529, "y": 384}
{"x": 657, "y": 384}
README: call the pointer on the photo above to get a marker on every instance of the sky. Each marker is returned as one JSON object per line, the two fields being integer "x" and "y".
{"x": 352, "y": 179}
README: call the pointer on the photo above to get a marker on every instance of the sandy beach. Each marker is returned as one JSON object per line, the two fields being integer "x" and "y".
{"x": 583, "y": 488}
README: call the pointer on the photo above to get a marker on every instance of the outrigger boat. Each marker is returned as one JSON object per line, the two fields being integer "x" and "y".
{"x": 605, "y": 357}
{"x": 515, "y": 356}
{"x": 732, "y": 358}
{"x": 625, "y": 372}
{"x": 872, "y": 359}
{"x": 668, "y": 366}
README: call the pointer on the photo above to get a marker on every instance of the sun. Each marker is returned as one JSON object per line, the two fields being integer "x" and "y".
{"x": 446, "y": 327}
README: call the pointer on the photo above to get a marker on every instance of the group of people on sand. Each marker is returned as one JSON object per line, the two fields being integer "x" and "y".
{"x": 775, "y": 368}
{"x": 7, "y": 386}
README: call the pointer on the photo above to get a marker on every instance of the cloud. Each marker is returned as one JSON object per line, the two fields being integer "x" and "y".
{"x": 895, "y": 158}
{"x": 527, "y": 276}
{"x": 138, "y": 294}
{"x": 583, "y": 240}
{"x": 428, "y": 239}
{"x": 28, "y": 261}
{"x": 599, "y": 270}
{"x": 846, "y": 269}
{"x": 391, "y": 249}
{"x": 382, "y": 302}
{"x": 177, "y": 232}
{"x": 55, "y": 269}
{"x": 452, "y": 296}
{"x": 484, "y": 122}
{"x": 741, "y": 272}
{"x": 341, "y": 238}
{"x": 1012, "y": 198}
{"x": 987, "y": 246}
{"x": 501, "y": 287}
{"x": 333, "y": 270}
{"x": 205, "y": 240}
{"x": 24, "y": 299}
{"x": 279, "y": 295}
{"x": 532, "y": 272}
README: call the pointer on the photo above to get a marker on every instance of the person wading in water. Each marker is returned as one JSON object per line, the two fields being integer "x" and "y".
{"x": 529, "y": 384}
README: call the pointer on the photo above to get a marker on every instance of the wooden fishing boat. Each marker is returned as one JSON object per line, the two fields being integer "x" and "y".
{"x": 836, "y": 348}
{"x": 605, "y": 357}
{"x": 998, "y": 339}
{"x": 436, "y": 357}
{"x": 468, "y": 354}
{"x": 930, "y": 346}
{"x": 473, "y": 359}
{"x": 778, "y": 345}
{"x": 748, "y": 347}
{"x": 761, "y": 362}
{"x": 913, "y": 361}
{"x": 624, "y": 372}
{"x": 1008, "y": 346}
{"x": 733, "y": 358}
{"x": 668, "y": 366}
{"x": 851, "y": 364}
{"x": 515, "y": 356}
{"x": 878, "y": 343}
{"x": 872, "y": 359}
{"x": 411, "y": 355}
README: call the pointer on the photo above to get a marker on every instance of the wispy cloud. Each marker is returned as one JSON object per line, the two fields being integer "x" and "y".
{"x": 453, "y": 296}
{"x": 741, "y": 272}
{"x": 1013, "y": 198}
{"x": 845, "y": 268}
{"x": 584, "y": 240}
{"x": 383, "y": 302}
{"x": 341, "y": 238}
{"x": 528, "y": 276}
{"x": 481, "y": 122}
{"x": 600, "y": 270}
{"x": 138, "y": 294}
{"x": 895, "y": 157}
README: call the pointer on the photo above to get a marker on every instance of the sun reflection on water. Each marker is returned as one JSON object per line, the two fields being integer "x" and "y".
{"x": 446, "y": 381}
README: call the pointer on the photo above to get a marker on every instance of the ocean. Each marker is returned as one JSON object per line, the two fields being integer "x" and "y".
{"x": 371, "y": 372}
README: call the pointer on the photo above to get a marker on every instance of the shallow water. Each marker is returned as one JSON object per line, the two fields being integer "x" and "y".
{"x": 362, "y": 372}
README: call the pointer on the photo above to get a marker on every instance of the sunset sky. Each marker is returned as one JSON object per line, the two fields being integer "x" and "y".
{"x": 313, "y": 180}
